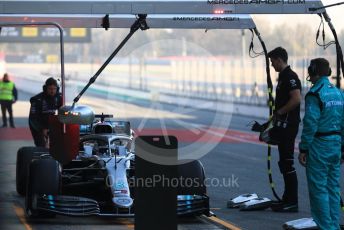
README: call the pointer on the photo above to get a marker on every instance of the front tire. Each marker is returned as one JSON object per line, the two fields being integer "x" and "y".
{"x": 44, "y": 178}
{"x": 24, "y": 157}
{"x": 193, "y": 172}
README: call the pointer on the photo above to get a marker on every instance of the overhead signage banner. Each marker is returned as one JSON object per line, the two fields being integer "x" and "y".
{"x": 39, "y": 34}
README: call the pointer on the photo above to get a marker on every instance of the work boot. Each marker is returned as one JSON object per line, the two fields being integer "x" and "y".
{"x": 282, "y": 206}
{"x": 273, "y": 202}
{"x": 12, "y": 122}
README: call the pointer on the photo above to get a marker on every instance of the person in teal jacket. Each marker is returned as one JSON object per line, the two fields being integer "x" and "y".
{"x": 320, "y": 146}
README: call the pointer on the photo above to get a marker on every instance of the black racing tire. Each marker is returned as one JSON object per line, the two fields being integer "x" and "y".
{"x": 44, "y": 178}
{"x": 193, "y": 178}
{"x": 24, "y": 157}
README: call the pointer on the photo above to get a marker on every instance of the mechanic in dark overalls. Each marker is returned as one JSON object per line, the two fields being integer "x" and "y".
{"x": 287, "y": 110}
{"x": 42, "y": 105}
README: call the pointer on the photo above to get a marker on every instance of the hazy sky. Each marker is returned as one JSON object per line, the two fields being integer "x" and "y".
{"x": 336, "y": 14}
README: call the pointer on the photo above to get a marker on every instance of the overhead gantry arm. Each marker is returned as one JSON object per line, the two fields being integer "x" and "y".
{"x": 161, "y": 7}
{"x": 173, "y": 21}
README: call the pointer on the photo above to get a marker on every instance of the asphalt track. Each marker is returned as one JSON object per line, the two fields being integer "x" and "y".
{"x": 234, "y": 160}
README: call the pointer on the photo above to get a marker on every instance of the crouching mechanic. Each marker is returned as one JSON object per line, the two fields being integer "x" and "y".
{"x": 42, "y": 105}
{"x": 320, "y": 146}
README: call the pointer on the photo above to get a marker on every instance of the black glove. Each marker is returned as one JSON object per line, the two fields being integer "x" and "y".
{"x": 256, "y": 127}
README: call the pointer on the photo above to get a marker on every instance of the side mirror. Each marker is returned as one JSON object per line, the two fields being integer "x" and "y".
{"x": 76, "y": 114}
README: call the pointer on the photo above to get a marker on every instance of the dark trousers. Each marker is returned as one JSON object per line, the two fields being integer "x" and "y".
{"x": 6, "y": 105}
{"x": 286, "y": 164}
{"x": 38, "y": 137}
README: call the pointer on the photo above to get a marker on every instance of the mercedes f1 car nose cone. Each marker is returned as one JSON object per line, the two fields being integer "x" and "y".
{"x": 123, "y": 202}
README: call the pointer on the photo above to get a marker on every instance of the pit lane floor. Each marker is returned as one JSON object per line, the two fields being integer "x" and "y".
{"x": 12, "y": 205}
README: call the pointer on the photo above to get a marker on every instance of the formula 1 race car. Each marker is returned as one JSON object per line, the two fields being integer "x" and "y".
{"x": 99, "y": 181}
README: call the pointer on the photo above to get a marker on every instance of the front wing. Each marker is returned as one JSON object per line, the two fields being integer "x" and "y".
{"x": 81, "y": 206}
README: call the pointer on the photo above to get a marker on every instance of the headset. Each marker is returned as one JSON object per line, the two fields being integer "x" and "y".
{"x": 313, "y": 69}
{"x": 51, "y": 81}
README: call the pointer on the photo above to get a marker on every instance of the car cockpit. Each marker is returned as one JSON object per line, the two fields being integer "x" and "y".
{"x": 106, "y": 137}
